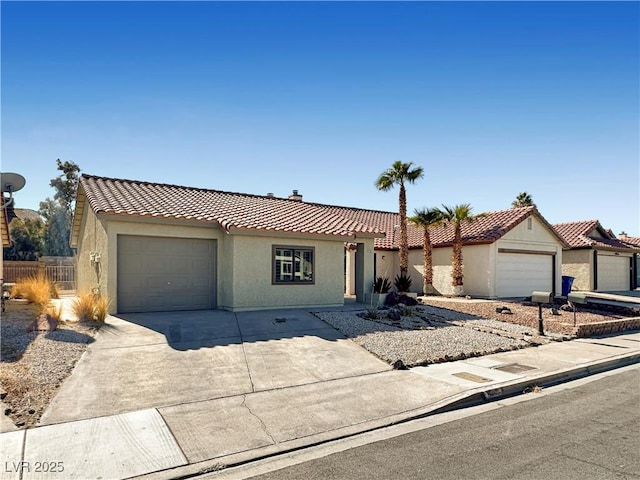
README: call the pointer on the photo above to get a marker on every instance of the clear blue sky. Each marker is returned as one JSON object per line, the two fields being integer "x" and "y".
{"x": 492, "y": 99}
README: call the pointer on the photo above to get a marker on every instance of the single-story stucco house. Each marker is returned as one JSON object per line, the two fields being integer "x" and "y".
{"x": 507, "y": 253}
{"x": 156, "y": 247}
{"x": 596, "y": 259}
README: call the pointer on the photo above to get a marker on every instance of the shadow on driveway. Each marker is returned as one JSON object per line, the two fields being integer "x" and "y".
{"x": 190, "y": 330}
{"x": 151, "y": 360}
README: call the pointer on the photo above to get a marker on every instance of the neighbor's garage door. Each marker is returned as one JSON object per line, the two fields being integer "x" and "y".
{"x": 519, "y": 274}
{"x": 159, "y": 274}
{"x": 613, "y": 272}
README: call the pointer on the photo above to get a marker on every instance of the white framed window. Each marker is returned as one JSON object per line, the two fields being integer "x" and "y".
{"x": 293, "y": 264}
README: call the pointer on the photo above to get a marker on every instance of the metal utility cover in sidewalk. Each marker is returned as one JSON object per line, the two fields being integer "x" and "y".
{"x": 514, "y": 368}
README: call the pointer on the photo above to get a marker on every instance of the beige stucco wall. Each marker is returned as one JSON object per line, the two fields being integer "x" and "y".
{"x": 387, "y": 264}
{"x": 579, "y": 264}
{"x": 252, "y": 274}
{"x": 475, "y": 265}
{"x": 479, "y": 261}
{"x": 476, "y": 261}
{"x": 93, "y": 239}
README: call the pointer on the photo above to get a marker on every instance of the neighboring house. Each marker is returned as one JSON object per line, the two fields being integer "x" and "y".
{"x": 156, "y": 247}
{"x": 596, "y": 259}
{"x": 508, "y": 253}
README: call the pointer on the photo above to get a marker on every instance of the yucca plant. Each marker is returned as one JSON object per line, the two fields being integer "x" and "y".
{"x": 381, "y": 285}
{"x": 402, "y": 283}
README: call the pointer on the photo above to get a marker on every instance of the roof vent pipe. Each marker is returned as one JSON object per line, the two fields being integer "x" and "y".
{"x": 295, "y": 196}
{"x": 270, "y": 194}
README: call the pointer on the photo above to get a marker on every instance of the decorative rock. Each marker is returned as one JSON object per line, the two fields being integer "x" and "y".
{"x": 44, "y": 323}
{"x": 394, "y": 315}
{"x": 399, "y": 365}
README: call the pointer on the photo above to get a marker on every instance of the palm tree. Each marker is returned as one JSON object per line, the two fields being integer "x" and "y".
{"x": 426, "y": 218}
{"x": 523, "y": 200}
{"x": 456, "y": 216}
{"x": 398, "y": 174}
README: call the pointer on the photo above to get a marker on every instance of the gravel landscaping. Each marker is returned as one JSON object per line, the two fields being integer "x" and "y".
{"x": 33, "y": 365}
{"x": 443, "y": 329}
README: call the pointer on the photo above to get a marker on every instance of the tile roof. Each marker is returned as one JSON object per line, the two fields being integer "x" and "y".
{"x": 487, "y": 229}
{"x": 228, "y": 210}
{"x": 255, "y": 212}
{"x": 631, "y": 241}
{"x": 583, "y": 234}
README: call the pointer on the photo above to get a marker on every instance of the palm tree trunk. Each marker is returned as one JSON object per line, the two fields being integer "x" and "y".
{"x": 427, "y": 286}
{"x": 404, "y": 241}
{"x": 456, "y": 258}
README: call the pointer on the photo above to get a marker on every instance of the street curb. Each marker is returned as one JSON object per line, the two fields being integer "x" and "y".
{"x": 459, "y": 401}
{"x": 522, "y": 386}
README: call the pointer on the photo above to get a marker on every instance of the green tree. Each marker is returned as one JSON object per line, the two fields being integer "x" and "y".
{"x": 27, "y": 238}
{"x": 399, "y": 174}
{"x": 456, "y": 216}
{"x": 523, "y": 200}
{"x": 425, "y": 218}
{"x": 58, "y": 213}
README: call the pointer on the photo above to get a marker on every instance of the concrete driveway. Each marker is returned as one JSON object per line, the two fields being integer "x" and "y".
{"x": 161, "y": 359}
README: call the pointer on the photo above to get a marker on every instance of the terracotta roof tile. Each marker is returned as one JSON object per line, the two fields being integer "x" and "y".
{"x": 631, "y": 241}
{"x": 485, "y": 229}
{"x": 229, "y": 210}
{"x": 582, "y": 234}
{"x": 245, "y": 211}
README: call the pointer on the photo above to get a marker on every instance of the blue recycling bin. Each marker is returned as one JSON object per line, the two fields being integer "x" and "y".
{"x": 566, "y": 284}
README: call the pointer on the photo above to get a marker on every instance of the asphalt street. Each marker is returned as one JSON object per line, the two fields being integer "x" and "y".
{"x": 590, "y": 431}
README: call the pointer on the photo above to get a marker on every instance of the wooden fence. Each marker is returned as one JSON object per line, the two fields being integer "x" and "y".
{"x": 62, "y": 275}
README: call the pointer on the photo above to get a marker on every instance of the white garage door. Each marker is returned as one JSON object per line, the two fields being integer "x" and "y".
{"x": 519, "y": 274}
{"x": 160, "y": 274}
{"x": 613, "y": 273}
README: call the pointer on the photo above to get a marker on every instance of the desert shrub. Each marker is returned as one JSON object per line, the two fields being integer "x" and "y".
{"x": 90, "y": 306}
{"x": 372, "y": 314}
{"x": 55, "y": 311}
{"x": 404, "y": 310}
{"x": 101, "y": 308}
{"x": 36, "y": 289}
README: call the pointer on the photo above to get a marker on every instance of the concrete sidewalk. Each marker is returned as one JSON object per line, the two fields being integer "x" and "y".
{"x": 188, "y": 438}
